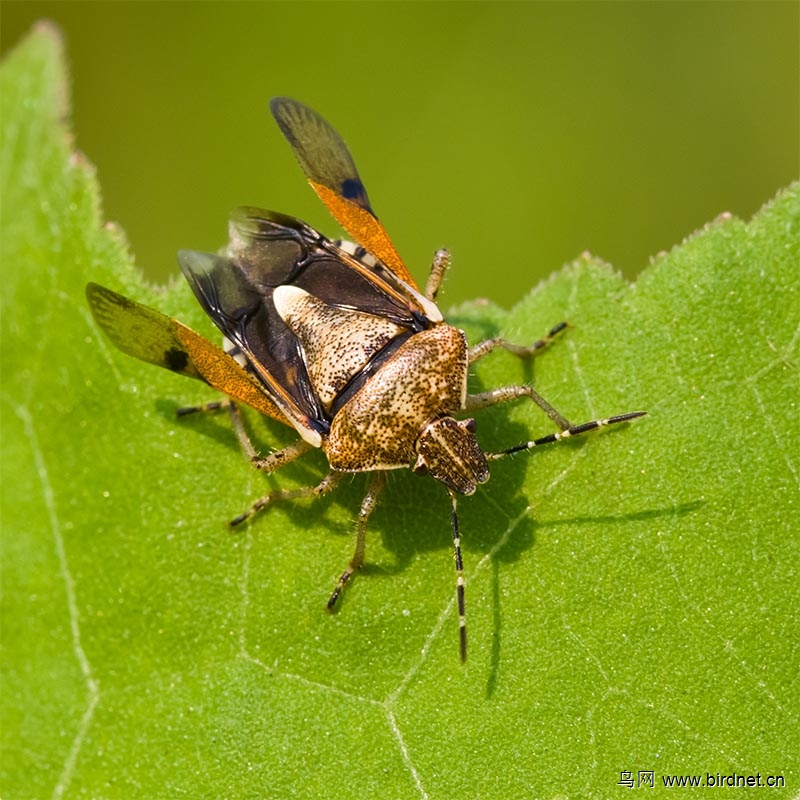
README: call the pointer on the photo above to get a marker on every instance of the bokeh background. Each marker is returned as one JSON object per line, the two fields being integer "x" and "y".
{"x": 516, "y": 134}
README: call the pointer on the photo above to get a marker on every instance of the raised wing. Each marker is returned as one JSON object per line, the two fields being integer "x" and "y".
{"x": 332, "y": 174}
{"x": 151, "y": 336}
{"x": 269, "y": 250}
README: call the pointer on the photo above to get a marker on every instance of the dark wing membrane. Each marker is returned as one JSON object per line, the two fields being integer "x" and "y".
{"x": 151, "y": 336}
{"x": 330, "y": 169}
{"x": 244, "y": 312}
{"x": 139, "y": 331}
{"x": 322, "y": 153}
{"x": 268, "y": 250}
{"x": 275, "y": 249}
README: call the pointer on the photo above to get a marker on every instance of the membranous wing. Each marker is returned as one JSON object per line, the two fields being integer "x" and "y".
{"x": 151, "y": 336}
{"x": 312, "y": 320}
{"x": 330, "y": 170}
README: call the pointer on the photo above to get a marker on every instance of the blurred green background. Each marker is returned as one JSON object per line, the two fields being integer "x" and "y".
{"x": 516, "y": 134}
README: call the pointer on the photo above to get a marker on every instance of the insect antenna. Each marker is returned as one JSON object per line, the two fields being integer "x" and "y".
{"x": 462, "y": 619}
{"x": 573, "y": 430}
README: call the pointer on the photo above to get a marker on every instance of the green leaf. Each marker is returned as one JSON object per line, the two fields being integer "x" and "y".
{"x": 631, "y": 597}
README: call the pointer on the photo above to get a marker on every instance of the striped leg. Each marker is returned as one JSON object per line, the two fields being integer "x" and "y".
{"x": 214, "y": 405}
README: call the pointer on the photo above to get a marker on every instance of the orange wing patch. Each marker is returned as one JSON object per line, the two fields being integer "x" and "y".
{"x": 365, "y": 229}
{"x": 224, "y": 374}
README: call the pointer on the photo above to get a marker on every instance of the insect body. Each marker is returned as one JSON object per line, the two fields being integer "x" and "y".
{"x": 338, "y": 343}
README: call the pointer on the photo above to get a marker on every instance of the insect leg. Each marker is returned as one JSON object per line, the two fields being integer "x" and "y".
{"x": 506, "y": 393}
{"x": 270, "y": 463}
{"x": 282, "y": 495}
{"x": 441, "y": 261}
{"x": 462, "y": 618}
{"x": 573, "y": 430}
{"x": 215, "y": 405}
{"x": 368, "y": 504}
{"x": 485, "y": 347}
{"x": 276, "y": 459}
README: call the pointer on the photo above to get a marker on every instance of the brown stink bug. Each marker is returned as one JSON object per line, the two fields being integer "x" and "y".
{"x": 334, "y": 340}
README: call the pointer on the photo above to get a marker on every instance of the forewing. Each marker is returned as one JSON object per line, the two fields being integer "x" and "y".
{"x": 330, "y": 170}
{"x": 151, "y": 336}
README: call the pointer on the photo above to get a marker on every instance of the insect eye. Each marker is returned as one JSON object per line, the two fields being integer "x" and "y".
{"x": 471, "y": 425}
{"x": 420, "y": 468}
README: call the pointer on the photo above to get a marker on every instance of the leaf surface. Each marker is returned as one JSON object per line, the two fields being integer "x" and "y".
{"x": 632, "y": 597}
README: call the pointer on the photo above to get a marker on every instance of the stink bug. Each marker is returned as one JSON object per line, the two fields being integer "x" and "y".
{"x": 334, "y": 340}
